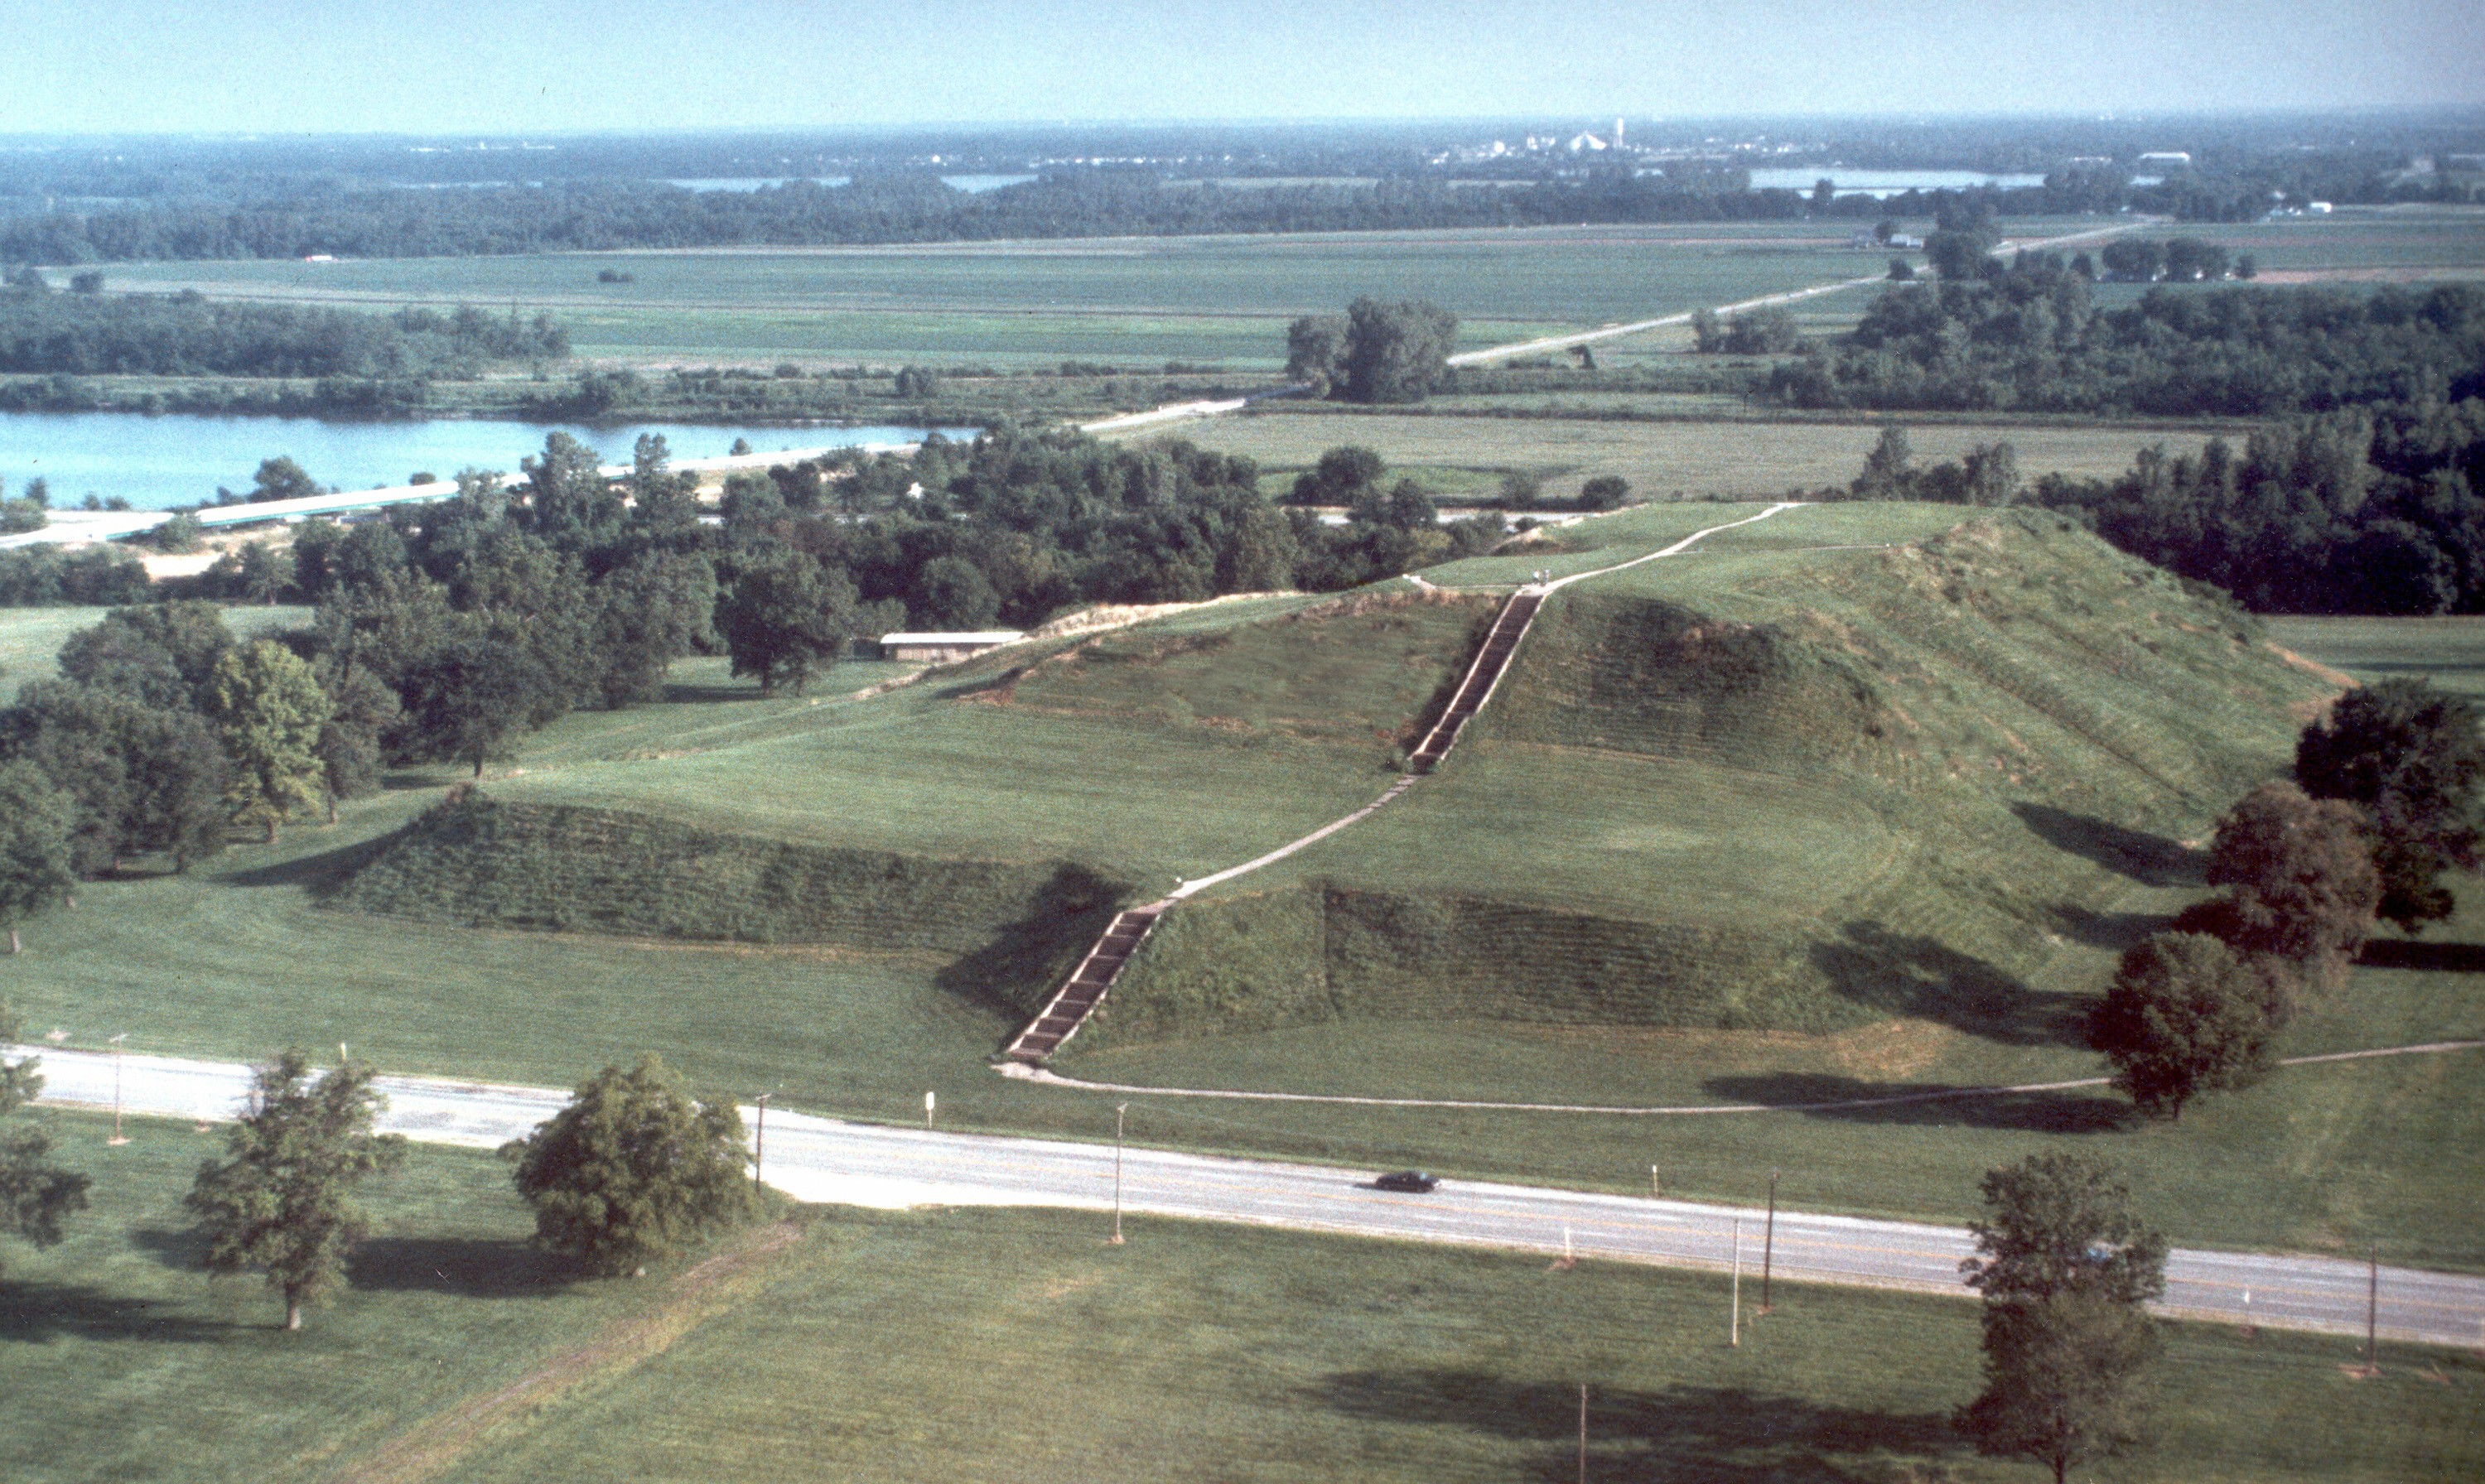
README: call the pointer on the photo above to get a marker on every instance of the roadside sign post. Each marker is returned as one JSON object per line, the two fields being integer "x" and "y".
{"x": 929, "y": 1103}
{"x": 2373, "y": 1310}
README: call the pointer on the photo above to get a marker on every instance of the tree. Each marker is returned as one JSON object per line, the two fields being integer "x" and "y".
{"x": 269, "y": 709}
{"x": 660, "y": 500}
{"x": 951, "y": 592}
{"x": 1901, "y": 271}
{"x": 2065, "y": 1268}
{"x": 34, "y": 1194}
{"x": 785, "y": 617}
{"x": 158, "y": 653}
{"x": 2412, "y": 756}
{"x": 1339, "y": 478}
{"x": 632, "y": 1168}
{"x": 1397, "y": 352}
{"x": 37, "y": 869}
{"x": 361, "y": 712}
{"x": 280, "y": 479}
{"x": 2061, "y": 1380}
{"x": 2184, "y": 1016}
{"x": 1604, "y": 492}
{"x": 2305, "y": 887}
{"x": 1889, "y": 470}
{"x": 179, "y": 536}
{"x": 1992, "y": 474}
{"x": 281, "y": 1200}
{"x": 1316, "y": 346}
{"x": 468, "y": 702}
{"x": 1707, "y": 336}
{"x": 650, "y": 612}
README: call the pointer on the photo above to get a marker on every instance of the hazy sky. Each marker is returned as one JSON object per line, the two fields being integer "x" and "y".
{"x": 452, "y": 65}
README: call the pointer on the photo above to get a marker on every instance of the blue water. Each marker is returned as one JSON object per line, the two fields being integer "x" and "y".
{"x": 158, "y": 462}
{"x": 1884, "y": 183}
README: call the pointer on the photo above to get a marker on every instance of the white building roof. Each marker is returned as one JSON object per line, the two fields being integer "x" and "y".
{"x": 988, "y": 636}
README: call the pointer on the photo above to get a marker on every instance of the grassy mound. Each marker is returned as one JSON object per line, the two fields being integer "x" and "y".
{"x": 1773, "y": 789}
{"x": 1009, "y": 928}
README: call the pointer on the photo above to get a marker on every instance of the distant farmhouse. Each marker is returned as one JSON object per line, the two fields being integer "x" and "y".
{"x": 941, "y": 648}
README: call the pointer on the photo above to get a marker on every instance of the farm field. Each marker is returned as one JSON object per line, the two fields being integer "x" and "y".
{"x": 2407, "y": 244}
{"x": 1118, "y": 299}
{"x": 2450, "y": 652}
{"x": 1468, "y": 456}
{"x": 865, "y": 1345}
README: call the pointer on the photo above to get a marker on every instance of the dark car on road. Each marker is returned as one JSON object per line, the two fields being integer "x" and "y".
{"x": 1413, "y": 1182}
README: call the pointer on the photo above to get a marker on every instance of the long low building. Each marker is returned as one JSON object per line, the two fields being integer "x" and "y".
{"x": 939, "y": 648}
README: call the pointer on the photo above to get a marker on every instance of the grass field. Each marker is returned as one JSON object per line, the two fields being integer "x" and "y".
{"x": 2410, "y": 244}
{"x": 1468, "y": 456}
{"x": 1120, "y": 300}
{"x": 940, "y": 1345}
{"x": 31, "y": 638}
{"x": 2450, "y": 652}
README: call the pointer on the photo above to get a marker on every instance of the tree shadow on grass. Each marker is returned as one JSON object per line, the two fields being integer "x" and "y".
{"x": 179, "y": 1248}
{"x": 679, "y": 693}
{"x": 1713, "y": 1435}
{"x": 40, "y": 1313}
{"x": 1902, "y": 974}
{"x": 466, "y": 1267}
{"x": 2433, "y": 957}
{"x": 2071, "y": 1112}
{"x": 2151, "y": 860}
{"x": 321, "y": 872}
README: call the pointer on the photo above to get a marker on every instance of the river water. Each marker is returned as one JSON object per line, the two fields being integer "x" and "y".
{"x": 162, "y": 460}
{"x": 1884, "y": 183}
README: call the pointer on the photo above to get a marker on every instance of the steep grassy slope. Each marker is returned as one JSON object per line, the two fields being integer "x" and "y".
{"x": 1771, "y": 789}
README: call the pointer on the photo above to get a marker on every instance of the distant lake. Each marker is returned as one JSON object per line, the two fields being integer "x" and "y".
{"x": 1885, "y": 183}
{"x": 163, "y": 461}
{"x": 969, "y": 184}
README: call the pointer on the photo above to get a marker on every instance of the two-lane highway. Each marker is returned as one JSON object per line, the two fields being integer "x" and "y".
{"x": 829, "y": 1160}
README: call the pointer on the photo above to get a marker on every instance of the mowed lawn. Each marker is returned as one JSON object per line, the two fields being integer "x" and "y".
{"x": 1132, "y": 301}
{"x": 1669, "y": 460}
{"x": 1001, "y": 1345}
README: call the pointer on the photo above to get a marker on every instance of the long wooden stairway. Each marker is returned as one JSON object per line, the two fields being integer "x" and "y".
{"x": 1501, "y": 643}
{"x": 1078, "y": 996}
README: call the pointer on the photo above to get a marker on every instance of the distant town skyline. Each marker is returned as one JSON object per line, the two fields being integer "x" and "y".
{"x": 562, "y": 66}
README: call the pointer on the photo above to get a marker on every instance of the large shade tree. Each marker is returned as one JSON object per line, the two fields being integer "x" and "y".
{"x": 2412, "y": 756}
{"x": 632, "y": 1170}
{"x": 281, "y": 1202}
{"x": 34, "y": 1194}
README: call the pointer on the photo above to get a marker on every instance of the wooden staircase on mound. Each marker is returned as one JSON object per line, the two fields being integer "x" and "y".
{"x": 1084, "y": 989}
{"x": 1501, "y": 643}
{"x": 1078, "y": 998}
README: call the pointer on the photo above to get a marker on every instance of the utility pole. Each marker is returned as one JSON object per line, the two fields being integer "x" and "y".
{"x": 759, "y": 1142}
{"x": 117, "y": 1137}
{"x": 1734, "y": 1309}
{"x": 2373, "y": 1310}
{"x": 1769, "y": 1242}
{"x": 1583, "y": 1433}
{"x": 1656, "y": 1186}
{"x": 1119, "y": 1109}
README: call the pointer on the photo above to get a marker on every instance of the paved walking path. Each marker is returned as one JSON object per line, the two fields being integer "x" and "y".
{"x": 830, "y": 1160}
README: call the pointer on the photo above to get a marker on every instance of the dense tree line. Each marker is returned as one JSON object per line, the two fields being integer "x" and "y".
{"x": 2366, "y": 510}
{"x": 1375, "y": 352}
{"x": 183, "y": 335}
{"x": 2027, "y": 336}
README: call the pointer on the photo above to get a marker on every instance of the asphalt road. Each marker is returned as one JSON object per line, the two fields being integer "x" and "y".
{"x": 826, "y": 1160}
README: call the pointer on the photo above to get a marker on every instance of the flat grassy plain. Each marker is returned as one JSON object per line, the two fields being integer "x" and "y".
{"x": 1730, "y": 457}
{"x": 1115, "y": 300}
{"x": 867, "y": 1345}
{"x": 2450, "y": 652}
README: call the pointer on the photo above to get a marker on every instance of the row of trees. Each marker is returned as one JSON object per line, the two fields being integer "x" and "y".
{"x": 2366, "y": 510}
{"x": 447, "y": 633}
{"x": 632, "y": 1170}
{"x": 187, "y": 335}
{"x": 2384, "y": 802}
{"x": 2027, "y": 336}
